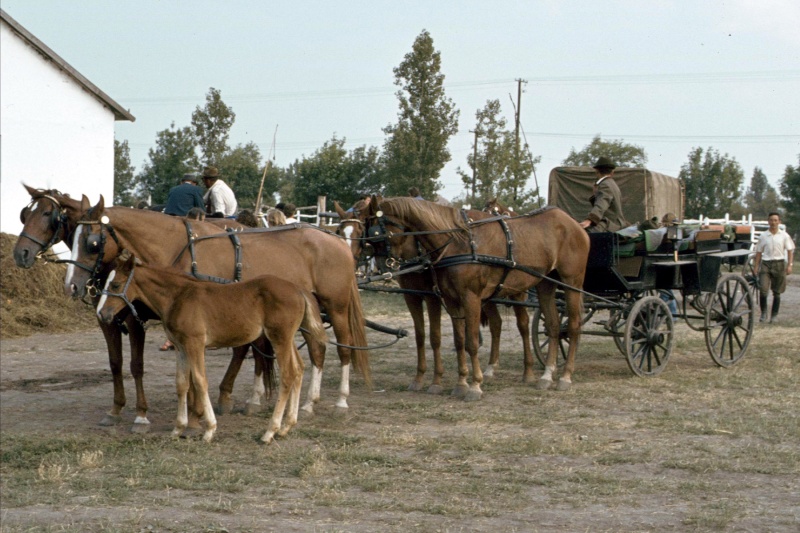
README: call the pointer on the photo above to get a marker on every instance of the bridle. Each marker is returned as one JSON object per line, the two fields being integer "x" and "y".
{"x": 124, "y": 296}
{"x": 95, "y": 244}
{"x": 58, "y": 222}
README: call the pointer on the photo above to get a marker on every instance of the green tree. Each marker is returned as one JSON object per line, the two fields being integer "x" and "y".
{"x": 498, "y": 173}
{"x": 334, "y": 172}
{"x": 623, "y": 154}
{"x": 790, "y": 191}
{"x": 211, "y": 125}
{"x": 415, "y": 150}
{"x": 713, "y": 183}
{"x": 174, "y": 155}
{"x": 241, "y": 169}
{"x": 124, "y": 180}
{"x": 761, "y": 197}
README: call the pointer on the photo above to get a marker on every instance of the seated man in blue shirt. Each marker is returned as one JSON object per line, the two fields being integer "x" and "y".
{"x": 184, "y": 197}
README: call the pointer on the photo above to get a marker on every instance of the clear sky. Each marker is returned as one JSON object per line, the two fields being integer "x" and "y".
{"x": 667, "y": 75}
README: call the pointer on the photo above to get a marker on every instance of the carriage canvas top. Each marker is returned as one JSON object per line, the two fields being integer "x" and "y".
{"x": 645, "y": 194}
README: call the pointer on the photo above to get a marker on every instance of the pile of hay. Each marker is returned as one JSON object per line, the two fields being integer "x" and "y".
{"x": 33, "y": 300}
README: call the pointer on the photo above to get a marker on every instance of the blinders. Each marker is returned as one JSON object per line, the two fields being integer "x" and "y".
{"x": 56, "y": 222}
{"x": 94, "y": 243}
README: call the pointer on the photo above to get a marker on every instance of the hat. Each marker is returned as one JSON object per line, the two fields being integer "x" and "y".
{"x": 211, "y": 172}
{"x": 190, "y": 177}
{"x": 604, "y": 162}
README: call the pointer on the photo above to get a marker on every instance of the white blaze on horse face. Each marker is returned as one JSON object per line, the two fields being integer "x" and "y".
{"x": 74, "y": 257}
{"x": 104, "y": 297}
{"x": 348, "y": 235}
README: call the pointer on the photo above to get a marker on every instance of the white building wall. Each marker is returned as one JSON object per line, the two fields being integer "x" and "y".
{"x": 53, "y": 133}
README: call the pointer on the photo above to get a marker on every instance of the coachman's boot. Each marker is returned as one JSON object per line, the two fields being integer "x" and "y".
{"x": 762, "y": 302}
{"x": 776, "y": 306}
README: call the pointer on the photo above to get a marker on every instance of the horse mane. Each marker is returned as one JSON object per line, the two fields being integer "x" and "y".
{"x": 540, "y": 210}
{"x": 435, "y": 217}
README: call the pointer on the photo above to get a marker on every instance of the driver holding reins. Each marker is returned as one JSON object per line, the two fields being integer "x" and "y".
{"x": 606, "y": 213}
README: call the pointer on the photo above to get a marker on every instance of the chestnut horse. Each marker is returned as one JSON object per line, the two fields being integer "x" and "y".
{"x": 51, "y": 217}
{"x": 312, "y": 259}
{"x": 496, "y": 208}
{"x": 352, "y": 226}
{"x": 497, "y": 257}
{"x": 197, "y": 314}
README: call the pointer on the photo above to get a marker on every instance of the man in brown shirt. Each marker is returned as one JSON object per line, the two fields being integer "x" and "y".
{"x": 606, "y": 213}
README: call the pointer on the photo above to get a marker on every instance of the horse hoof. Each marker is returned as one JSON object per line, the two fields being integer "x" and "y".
{"x": 208, "y": 435}
{"x": 110, "y": 420}
{"x": 528, "y": 377}
{"x": 489, "y": 372}
{"x": 460, "y": 391}
{"x": 307, "y": 410}
{"x": 252, "y": 409}
{"x": 435, "y": 389}
{"x": 544, "y": 384}
{"x": 224, "y": 407}
{"x": 473, "y": 396}
{"x": 563, "y": 385}
{"x": 140, "y": 428}
{"x": 268, "y": 437}
{"x": 415, "y": 386}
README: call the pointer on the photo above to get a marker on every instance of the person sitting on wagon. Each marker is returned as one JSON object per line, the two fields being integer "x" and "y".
{"x": 606, "y": 213}
{"x": 184, "y": 196}
{"x": 219, "y": 198}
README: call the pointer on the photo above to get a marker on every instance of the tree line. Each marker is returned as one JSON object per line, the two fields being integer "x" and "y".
{"x": 415, "y": 151}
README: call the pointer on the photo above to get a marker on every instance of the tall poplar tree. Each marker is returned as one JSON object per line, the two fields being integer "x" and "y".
{"x": 124, "y": 180}
{"x": 760, "y": 198}
{"x": 713, "y": 183}
{"x": 211, "y": 126}
{"x": 415, "y": 150}
{"x": 790, "y": 191}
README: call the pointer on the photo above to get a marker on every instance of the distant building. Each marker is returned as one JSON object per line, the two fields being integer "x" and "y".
{"x": 57, "y": 127}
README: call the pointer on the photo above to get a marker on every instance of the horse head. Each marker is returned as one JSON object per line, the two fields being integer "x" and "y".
{"x": 352, "y": 228}
{"x": 46, "y": 220}
{"x": 94, "y": 246}
{"x": 496, "y": 208}
{"x": 118, "y": 292}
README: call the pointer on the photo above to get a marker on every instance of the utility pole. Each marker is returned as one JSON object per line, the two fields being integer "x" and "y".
{"x": 520, "y": 81}
{"x": 474, "y": 166}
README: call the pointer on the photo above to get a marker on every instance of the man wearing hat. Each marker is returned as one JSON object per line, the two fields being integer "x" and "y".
{"x": 606, "y": 213}
{"x": 219, "y": 198}
{"x": 185, "y": 196}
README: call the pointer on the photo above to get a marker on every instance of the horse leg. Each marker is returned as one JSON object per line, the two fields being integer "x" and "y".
{"x": 182, "y": 388}
{"x": 472, "y": 319}
{"x": 341, "y": 329}
{"x": 225, "y": 400}
{"x": 435, "y": 324}
{"x": 547, "y": 303}
{"x": 294, "y": 395}
{"x": 461, "y": 388}
{"x": 262, "y": 375}
{"x": 495, "y": 328}
{"x": 523, "y": 324}
{"x": 195, "y": 361}
{"x": 289, "y": 371}
{"x": 316, "y": 353}
{"x": 414, "y": 304}
{"x": 113, "y": 337}
{"x": 136, "y": 335}
{"x": 575, "y": 314}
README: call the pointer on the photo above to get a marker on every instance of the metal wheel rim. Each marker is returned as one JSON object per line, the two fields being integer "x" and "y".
{"x": 649, "y": 336}
{"x": 730, "y": 320}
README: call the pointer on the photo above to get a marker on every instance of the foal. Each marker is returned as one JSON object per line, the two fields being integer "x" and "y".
{"x": 197, "y": 314}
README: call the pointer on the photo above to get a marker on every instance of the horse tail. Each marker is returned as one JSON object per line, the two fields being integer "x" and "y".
{"x": 311, "y": 322}
{"x": 358, "y": 332}
{"x": 484, "y": 318}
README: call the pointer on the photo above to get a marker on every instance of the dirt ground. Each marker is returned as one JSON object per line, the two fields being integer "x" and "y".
{"x": 61, "y": 384}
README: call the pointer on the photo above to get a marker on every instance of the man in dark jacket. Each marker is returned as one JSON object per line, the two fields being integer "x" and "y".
{"x": 185, "y": 196}
{"x": 606, "y": 213}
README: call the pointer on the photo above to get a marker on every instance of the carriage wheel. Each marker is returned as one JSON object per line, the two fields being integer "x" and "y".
{"x": 541, "y": 341}
{"x": 751, "y": 276}
{"x": 695, "y": 308}
{"x": 648, "y": 336}
{"x": 730, "y": 320}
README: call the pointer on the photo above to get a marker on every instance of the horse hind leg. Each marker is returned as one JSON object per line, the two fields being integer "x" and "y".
{"x": 414, "y": 305}
{"x": 289, "y": 372}
{"x": 195, "y": 357}
{"x": 547, "y": 304}
{"x": 262, "y": 376}
{"x": 492, "y": 315}
{"x": 225, "y": 400}
{"x": 316, "y": 352}
{"x": 575, "y": 313}
{"x": 434, "y": 306}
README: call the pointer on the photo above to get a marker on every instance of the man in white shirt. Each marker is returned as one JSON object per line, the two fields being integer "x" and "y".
{"x": 219, "y": 198}
{"x": 773, "y": 262}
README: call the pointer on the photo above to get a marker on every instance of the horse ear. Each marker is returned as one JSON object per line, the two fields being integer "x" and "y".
{"x": 97, "y": 211}
{"x": 373, "y": 204}
{"x": 33, "y": 192}
{"x": 85, "y": 204}
{"x": 339, "y": 210}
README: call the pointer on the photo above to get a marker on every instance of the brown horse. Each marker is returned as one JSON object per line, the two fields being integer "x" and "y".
{"x": 475, "y": 261}
{"x": 494, "y": 207}
{"x": 197, "y": 314}
{"x": 352, "y": 228}
{"x": 312, "y": 259}
{"x": 51, "y": 217}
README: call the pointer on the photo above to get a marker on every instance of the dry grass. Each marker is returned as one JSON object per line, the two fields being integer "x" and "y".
{"x": 33, "y": 300}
